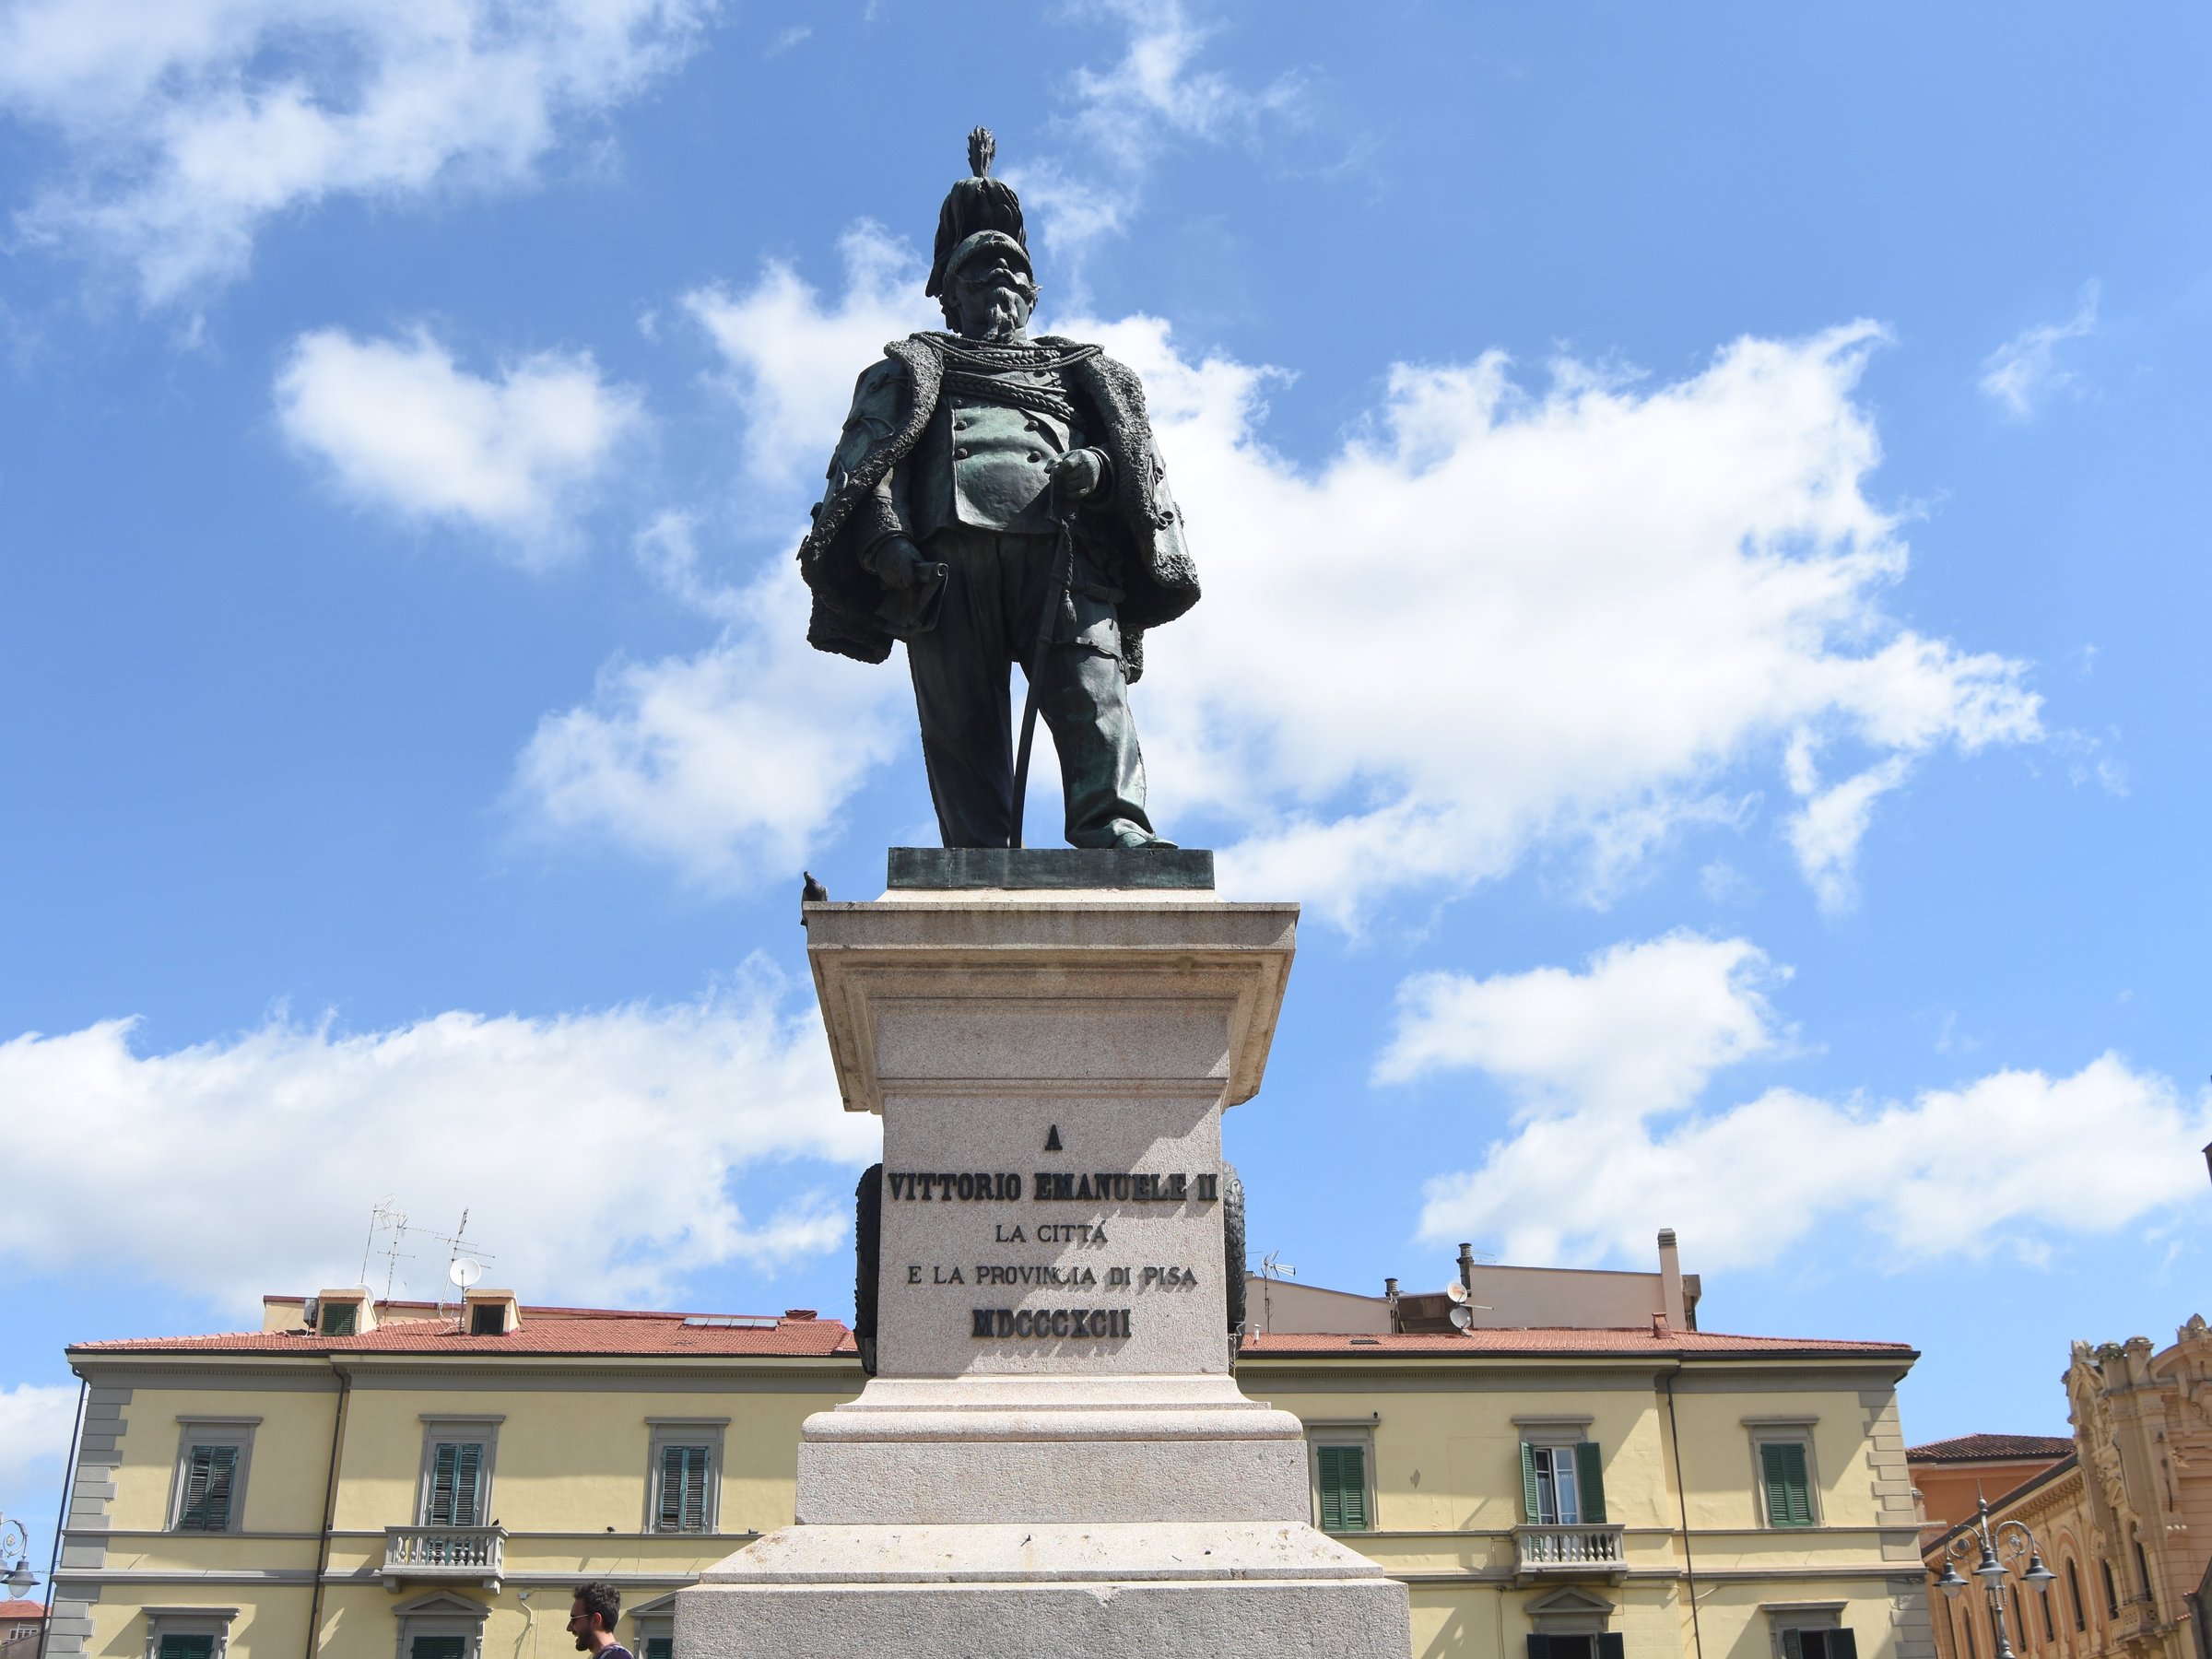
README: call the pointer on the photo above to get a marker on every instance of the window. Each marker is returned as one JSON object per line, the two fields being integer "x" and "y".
{"x": 1561, "y": 1485}
{"x": 683, "y": 1505}
{"x": 685, "y": 1476}
{"x": 1340, "y": 1478}
{"x": 654, "y": 1622}
{"x": 2081, "y": 1619}
{"x": 486, "y": 1319}
{"x": 339, "y": 1319}
{"x": 1571, "y": 1623}
{"x": 2050, "y": 1629}
{"x": 1801, "y": 1643}
{"x": 2112, "y": 1590}
{"x": 2143, "y": 1572}
{"x": 1601, "y": 1644}
{"x": 1784, "y": 1470}
{"x": 188, "y": 1632}
{"x": 210, "y": 1483}
{"x": 440, "y": 1626}
{"x": 456, "y": 1475}
{"x": 1968, "y": 1621}
{"x": 1785, "y": 1482}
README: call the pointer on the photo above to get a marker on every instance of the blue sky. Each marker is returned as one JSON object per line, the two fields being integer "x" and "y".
{"x": 1703, "y": 528}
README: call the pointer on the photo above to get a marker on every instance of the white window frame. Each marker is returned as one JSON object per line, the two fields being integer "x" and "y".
{"x": 189, "y": 1622}
{"x": 684, "y": 1431}
{"x": 213, "y": 1431}
{"x": 440, "y": 1613}
{"x": 1343, "y": 1431}
{"x": 441, "y": 1428}
{"x": 1785, "y": 1431}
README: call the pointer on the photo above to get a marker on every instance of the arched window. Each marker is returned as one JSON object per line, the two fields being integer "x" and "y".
{"x": 2143, "y": 1571}
{"x": 2111, "y": 1589}
{"x": 2081, "y": 1618}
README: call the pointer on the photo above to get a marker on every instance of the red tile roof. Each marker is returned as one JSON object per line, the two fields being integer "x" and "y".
{"x": 22, "y": 1609}
{"x": 1546, "y": 1340}
{"x": 550, "y": 1331}
{"x": 1991, "y": 1448}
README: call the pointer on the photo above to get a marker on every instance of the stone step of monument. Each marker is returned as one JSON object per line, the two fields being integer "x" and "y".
{"x": 998, "y": 1552}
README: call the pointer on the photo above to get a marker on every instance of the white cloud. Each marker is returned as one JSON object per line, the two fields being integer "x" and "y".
{"x": 1127, "y": 117}
{"x": 405, "y": 427}
{"x": 36, "y": 1419}
{"x": 187, "y": 126}
{"x": 1607, "y": 1066}
{"x": 789, "y": 359}
{"x": 594, "y": 1151}
{"x": 1498, "y": 621}
{"x": 1492, "y": 623}
{"x": 2024, "y": 371}
{"x": 729, "y": 764}
{"x": 1640, "y": 1031}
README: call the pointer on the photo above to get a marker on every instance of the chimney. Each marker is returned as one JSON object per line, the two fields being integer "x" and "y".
{"x": 1467, "y": 1266}
{"x": 1670, "y": 1281}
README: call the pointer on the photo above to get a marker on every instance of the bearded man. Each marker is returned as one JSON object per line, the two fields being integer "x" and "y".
{"x": 996, "y": 499}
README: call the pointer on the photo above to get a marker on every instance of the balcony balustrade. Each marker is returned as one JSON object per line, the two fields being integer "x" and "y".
{"x": 468, "y": 1554}
{"x": 1561, "y": 1552}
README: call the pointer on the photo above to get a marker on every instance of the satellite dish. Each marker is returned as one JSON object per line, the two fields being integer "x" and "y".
{"x": 466, "y": 1271}
{"x": 1460, "y": 1318}
{"x": 1456, "y": 1292}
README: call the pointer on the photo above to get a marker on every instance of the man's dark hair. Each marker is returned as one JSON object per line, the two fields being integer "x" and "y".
{"x": 602, "y": 1598}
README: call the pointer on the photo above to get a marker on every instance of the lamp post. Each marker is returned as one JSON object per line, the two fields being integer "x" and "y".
{"x": 2007, "y": 1541}
{"x": 14, "y": 1572}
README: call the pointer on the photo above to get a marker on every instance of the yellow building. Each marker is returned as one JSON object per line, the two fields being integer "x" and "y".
{"x": 403, "y": 1485}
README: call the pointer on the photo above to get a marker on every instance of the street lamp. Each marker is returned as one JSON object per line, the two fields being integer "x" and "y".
{"x": 18, "y": 1577}
{"x": 2007, "y": 1541}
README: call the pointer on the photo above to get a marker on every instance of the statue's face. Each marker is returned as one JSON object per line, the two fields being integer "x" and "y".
{"x": 994, "y": 297}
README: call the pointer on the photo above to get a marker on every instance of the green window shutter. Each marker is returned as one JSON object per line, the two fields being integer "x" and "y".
{"x": 467, "y": 1472}
{"x": 1612, "y": 1644}
{"x": 456, "y": 1477}
{"x": 1843, "y": 1644}
{"x": 1590, "y": 1481}
{"x": 660, "y": 1647}
{"x": 1343, "y": 1487}
{"x": 1531, "y": 1506}
{"x": 339, "y": 1318}
{"x": 683, "y": 1506}
{"x": 1789, "y": 1488}
{"x": 1792, "y": 1644}
{"x": 438, "y": 1647}
{"x": 175, "y": 1646}
{"x": 1539, "y": 1645}
{"x": 209, "y": 1473}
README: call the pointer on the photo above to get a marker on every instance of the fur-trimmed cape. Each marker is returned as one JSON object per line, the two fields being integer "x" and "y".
{"x": 1134, "y": 538}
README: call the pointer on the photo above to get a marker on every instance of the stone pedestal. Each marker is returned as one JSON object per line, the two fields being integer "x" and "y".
{"x": 1053, "y": 1456}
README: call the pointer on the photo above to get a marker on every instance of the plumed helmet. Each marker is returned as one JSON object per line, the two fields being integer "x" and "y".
{"x": 977, "y": 209}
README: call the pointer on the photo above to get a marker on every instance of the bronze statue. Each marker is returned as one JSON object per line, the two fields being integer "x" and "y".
{"x": 997, "y": 499}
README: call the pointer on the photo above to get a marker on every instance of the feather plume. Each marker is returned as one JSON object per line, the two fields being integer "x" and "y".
{"x": 982, "y": 147}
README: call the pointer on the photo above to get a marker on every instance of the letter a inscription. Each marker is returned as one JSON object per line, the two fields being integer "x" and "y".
{"x": 1052, "y": 1139}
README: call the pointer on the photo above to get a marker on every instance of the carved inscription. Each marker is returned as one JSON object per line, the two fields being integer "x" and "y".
{"x": 1049, "y": 1186}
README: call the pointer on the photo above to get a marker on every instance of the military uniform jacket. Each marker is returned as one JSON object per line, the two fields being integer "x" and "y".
{"x": 1133, "y": 537}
